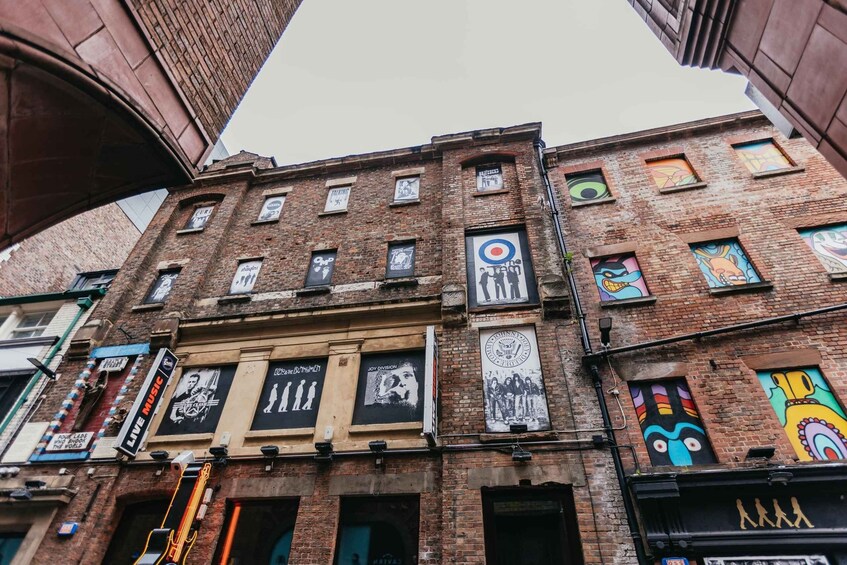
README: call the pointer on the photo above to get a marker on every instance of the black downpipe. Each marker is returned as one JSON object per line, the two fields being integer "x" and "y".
{"x": 632, "y": 522}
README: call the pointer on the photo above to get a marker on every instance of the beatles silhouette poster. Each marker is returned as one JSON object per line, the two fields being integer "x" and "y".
{"x": 499, "y": 269}
{"x": 391, "y": 388}
{"x": 291, "y": 395}
{"x": 198, "y": 401}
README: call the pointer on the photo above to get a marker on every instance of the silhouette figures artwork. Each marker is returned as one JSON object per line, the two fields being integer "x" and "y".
{"x": 782, "y": 518}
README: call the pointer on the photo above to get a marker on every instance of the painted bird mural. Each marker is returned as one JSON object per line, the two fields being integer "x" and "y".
{"x": 615, "y": 281}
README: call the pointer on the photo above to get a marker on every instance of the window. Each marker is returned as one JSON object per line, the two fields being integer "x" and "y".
{"x": 199, "y": 218}
{"x": 291, "y": 395}
{"x": 670, "y": 424}
{"x": 336, "y": 199}
{"x": 380, "y": 531}
{"x": 245, "y": 276}
{"x": 724, "y": 263}
{"x": 99, "y": 279}
{"x": 813, "y": 419}
{"x": 762, "y": 156}
{"x": 530, "y": 526}
{"x": 33, "y": 325}
{"x": 407, "y": 189}
{"x": 162, "y": 287}
{"x": 271, "y": 209}
{"x": 829, "y": 244}
{"x": 321, "y": 268}
{"x": 672, "y": 172}
{"x": 11, "y": 386}
{"x": 489, "y": 177}
{"x": 197, "y": 401}
{"x": 496, "y": 261}
{"x": 130, "y": 538}
{"x": 401, "y": 260}
{"x": 258, "y": 532}
{"x": 390, "y": 388}
{"x": 589, "y": 186}
{"x": 619, "y": 277}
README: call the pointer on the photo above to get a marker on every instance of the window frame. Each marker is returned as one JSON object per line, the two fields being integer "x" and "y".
{"x": 18, "y": 329}
{"x": 309, "y": 268}
{"x": 330, "y": 189}
{"x": 792, "y": 165}
{"x": 82, "y": 280}
{"x": 147, "y": 301}
{"x": 401, "y": 243}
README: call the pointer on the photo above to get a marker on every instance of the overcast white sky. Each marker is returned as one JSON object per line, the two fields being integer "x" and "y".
{"x": 354, "y": 76}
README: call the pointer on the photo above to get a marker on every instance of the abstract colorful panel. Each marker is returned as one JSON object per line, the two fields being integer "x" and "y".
{"x": 762, "y": 156}
{"x": 588, "y": 187}
{"x": 724, "y": 263}
{"x": 668, "y": 173}
{"x": 670, "y": 424}
{"x": 811, "y": 416}
{"x": 830, "y": 245}
{"x": 619, "y": 277}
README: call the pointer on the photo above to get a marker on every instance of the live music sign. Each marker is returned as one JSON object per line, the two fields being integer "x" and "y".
{"x": 146, "y": 403}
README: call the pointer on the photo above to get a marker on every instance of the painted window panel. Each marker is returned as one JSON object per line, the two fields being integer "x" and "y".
{"x": 199, "y": 218}
{"x": 829, "y": 244}
{"x": 162, "y": 288}
{"x": 499, "y": 269}
{"x": 245, "y": 277}
{"x": 390, "y": 388}
{"x": 619, "y": 277}
{"x": 271, "y": 209}
{"x": 321, "y": 268}
{"x": 814, "y": 420}
{"x": 669, "y": 173}
{"x": 291, "y": 395}
{"x": 198, "y": 401}
{"x": 587, "y": 187}
{"x": 724, "y": 263}
{"x": 762, "y": 156}
{"x": 337, "y": 198}
{"x": 401, "y": 260}
{"x": 407, "y": 189}
{"x": 670, "y": 424}
{"x": 489, "y": 177}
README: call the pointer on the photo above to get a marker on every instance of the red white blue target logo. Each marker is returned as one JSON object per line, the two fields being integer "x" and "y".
{"x": 497, "y": 251}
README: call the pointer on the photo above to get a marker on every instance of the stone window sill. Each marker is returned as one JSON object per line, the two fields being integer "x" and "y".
{"x": 148, "y": 307}
{"x": 376, "y": 428}
{"x": 333, "y": 213}
{"x": 291, "y": 432}
{"x": 262, "y": 222}
{"x": 752, "y": 287}
{"x": 399, "y": 203}
{"x": 188, "y": 231}
{"x": 313, "y": 291}
{"x": 490, "y": 192}
{"x": 683, "y": 187}
{"x": 838, "y": 277}
{"x": 400, "y": 282}
{"x": 640, "y": 301}
{"x": 481, "y": 309}
{"x": 593, "y": 202}
{"x": 778, "y": 172}
{"x": 235, "y": 298}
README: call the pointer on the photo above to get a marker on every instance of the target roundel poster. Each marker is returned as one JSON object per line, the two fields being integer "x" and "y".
{"x": 500, "y": 269}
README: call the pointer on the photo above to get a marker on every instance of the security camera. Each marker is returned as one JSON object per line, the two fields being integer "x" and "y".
{"x": 183, "y": 460}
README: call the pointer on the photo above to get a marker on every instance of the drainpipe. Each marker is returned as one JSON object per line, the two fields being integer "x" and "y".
{"x": 84, "y": 304}
{"x": 631, "y": 519}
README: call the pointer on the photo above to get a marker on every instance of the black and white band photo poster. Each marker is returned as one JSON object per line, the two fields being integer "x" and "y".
{"x": 198, "y": 401}
{"x": 401, "y": 260}
{"x": 291, "y": 395}
{"x": 199, "y": 218}
{"x": 321, "y": 267}
{"x": 390, "y": 389}
{"x": 489, "y": 177}
{"x": 271, "y": 208}
{"x": 337, "y": 199}
{"x": 161, "y": 288}
{"x": 245, "y": 276}
{"x": 500, "y": 269}
{"x": 407, "y": 189}
{"x": 512, "y": 382}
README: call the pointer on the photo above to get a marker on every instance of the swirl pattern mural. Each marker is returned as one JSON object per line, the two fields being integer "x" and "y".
{"x": 587, "y": 187}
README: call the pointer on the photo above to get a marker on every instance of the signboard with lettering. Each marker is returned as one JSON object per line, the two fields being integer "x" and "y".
{"x": 137, "y": 422}
{"x": 113, "y": 364}
{"x": 430, "y": 420}
{"x": 70, "y": 442}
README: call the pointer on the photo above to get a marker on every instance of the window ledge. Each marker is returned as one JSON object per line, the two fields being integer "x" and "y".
{"x": 28, "y": 341}
{"x": 683, "y": 187}
{"x": 399, "y": 282}
{"x": 752, "y": 287}
{"x": 490, "y": 192}
{"x": 376, "y": 428}
{"x": 778, "y": 172}
{"x": 313, "y": 290}
{"x": 593, "y": 202}
{"x": 187, "y": 231}
{"x": 398, "y": 203}
{"x": 333, "y": 213}
{"x": 291, "y": 432}
{"x": 148, "y": 307}
{"x": 262, "y": 222}
{"x": 640, "y": 301}
{"x": 838, "y": 277}
{"x": 481, "y": 309}
{"x": 181, "y": 438}
{"x": 235, "y": 298}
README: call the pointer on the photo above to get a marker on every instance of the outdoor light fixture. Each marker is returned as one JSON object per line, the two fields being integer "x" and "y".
{"x": 48, "y": 372}
{"x": 220, "y": 453}
{"x": 765, "y": 452}
{"x": 21, "y": 494}
{"x": 520, "y": 455}
{"x": 379, "y": 447}
{"x": 518, "y": 428}
{"x": 35, "y": 483}
{"x": 269, "y": 452}
{"x": 779, "y": 477}
{"x": 160, "y": 455}
{"x": 324, "y": 451}
{"x": 605, "y": 332}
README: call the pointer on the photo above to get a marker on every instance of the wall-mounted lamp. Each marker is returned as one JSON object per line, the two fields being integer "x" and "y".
{"x": 763, "y": 452}
{"x": 605, "y": 331}
{"x": 269, "y": 452}
{"x": 35, "y": 484}
{"x": 220, "y": 453}
{"x": 378, "y": 447}
{"x": 161, "y": 456}
{"x": 48, "y": 372}
{"x": 324, "y": 451}
{"x": 520, "y": 455}
{"x": 21, "y": 494}
{"x": 779, "y": 477}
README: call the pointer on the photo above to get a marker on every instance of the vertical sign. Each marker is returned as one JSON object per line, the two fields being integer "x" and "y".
{"x": 430, "y": 419}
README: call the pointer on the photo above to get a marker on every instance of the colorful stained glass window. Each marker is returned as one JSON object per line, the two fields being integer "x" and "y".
{"x": 587, "y": 187}
{"x": 619, "y": 277}
{"x": 829, "y": 243}
{"x": 724, "y": 263}
{"x": 670, "y": 173}
{"x": 762, "y": 156}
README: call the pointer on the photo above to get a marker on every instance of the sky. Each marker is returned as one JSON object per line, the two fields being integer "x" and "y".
{"x": 355, "y": 76}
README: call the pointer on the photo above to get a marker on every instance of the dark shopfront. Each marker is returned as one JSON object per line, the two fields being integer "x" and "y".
{"x": 794, "y": 515}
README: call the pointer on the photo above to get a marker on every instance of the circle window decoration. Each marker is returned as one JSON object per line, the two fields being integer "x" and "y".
{"x": 822, "y": 440}
{"x": 508, "y": 348}
{"x": 497, "y": 251}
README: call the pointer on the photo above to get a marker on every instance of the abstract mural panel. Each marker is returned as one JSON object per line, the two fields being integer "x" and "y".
{"x": 500, "y": 269}
{"x": 829, "y": 243}
{"x": 587, "y": 187}
{"x": 619, "y": 277}
{"x": 815, "y": 422}
{"x": 669, "y": 173}
{"x": 724, "y": 263}
{"x": 762, "y": 156}
{"x": 670, "y": 424}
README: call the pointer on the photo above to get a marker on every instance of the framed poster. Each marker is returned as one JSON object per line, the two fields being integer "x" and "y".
{"x": 161, "y": 289}
{"x": 336, "y": 199}
{"x": 271, "y": 209}
{"x": 245, "y": 276}
{"x": 291, "y": 395}
{"x": 407, "y": 189}
{"x": 198, "y": 219}
{"x": 390, "y": 389}
{"x": 321, "y": 268}
{"x": 401, "y": 260}
{"x": 513, "y": 385}
{"x": 489, "y": 177}
{"x": 499, "y": 269}
{"x": 198, "y": 401}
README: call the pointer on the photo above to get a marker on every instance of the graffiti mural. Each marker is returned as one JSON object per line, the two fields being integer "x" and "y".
{"x": 587, "y": 187}
{"x": 670, "y": 424}
{"x": 762, "y": 156}
{"x": 829, "y": 243}
{"x": 668, "y": 173}
{"x": 815, "y": 422}
{"x": 724, "y": 263}
{"x": 619, "y": 277}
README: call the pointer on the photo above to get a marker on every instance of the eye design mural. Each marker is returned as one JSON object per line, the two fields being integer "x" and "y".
{"x": 830, "y": 245}
{"x": 668, "y": 173}
{"x": 670, "y": 424}
{"x": 812, "y": 417}
{"x": 762, "y": 156}
{"x": 587, "y": 187}
{"x": 618, "y": 278}
{"x": 724, "y": 263}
